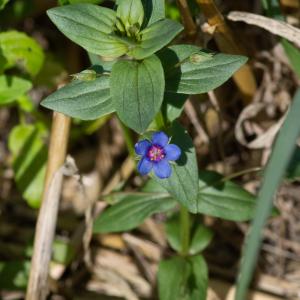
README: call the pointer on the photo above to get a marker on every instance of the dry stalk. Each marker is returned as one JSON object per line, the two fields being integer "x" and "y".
{"x": 45, "y": 228}
{"x": 187, "y": 19}
{"x": 276, "y": 27}
{"x": 244, "y": 77}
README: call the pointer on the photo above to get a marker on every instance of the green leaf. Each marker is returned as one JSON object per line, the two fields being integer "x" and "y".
{"x": 172, "y": 227}
{"x": 14, "y": 275}
{"x": 282, "y": 152}
{"x": 201, "y": 235}
{"x": 293, "y": 54}
{"x": 223, "y": 199}
{"x": 201, "y": 238}
{"x": 183, "y": 183}
{"x": 137, "y": 89}
{"x": 11, "y": 88}
{"x": 86, "y": 100}
{"x": 62, "y": 251}
{"x": 131, "y": 13}
{"x": 173, "y": 105}
{"x": 155, "y": 37}
{"x": 3, "y": 3}
{"x": 183, "y": 278}
{"x": 131, "y": 210}
{"x": 154, "y": 11}
{"x": 192, "y": 70}
{"x": 293, "y": 170}
{"x": 22, "y": 51}
{"x": 90, "y": 26}
{"x": 29, "y": 161}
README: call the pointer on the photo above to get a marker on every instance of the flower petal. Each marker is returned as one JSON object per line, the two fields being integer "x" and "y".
{"x": 144, "y": 166}
{"x": 160, "y": 138}
{"x": 141, "y": 147}
{"x": 162, "y": 169}
{"x": 172, "y": 151}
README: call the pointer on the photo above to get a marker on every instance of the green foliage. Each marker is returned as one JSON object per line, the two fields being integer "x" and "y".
{"x": 89, "y": 26}
{"x": 131, "y": 210}
{"x": 201, "y": 235}
{"x": 181, "y": 278}
{"x": 154, "y": 11}
{"x": 131, "y": 14}
{"x": 191, "y": 70}
{"x": 183, "y": 183}
{"x": 86, "y": 100}
{"x": 280, "y": 157}
{"x": 19, "y": 50}
{"x": 101, "y": 31}
{"x": 201, "y": 238}
{"x": 293, "y": 54}
{"x": 63, "y": 251}
{"x": 155, "y": 37}
{"x": 29, "y": 158}
{"x": 293, "y": 170}
{"x": 14, "y": 275}
{"x": 3, "y": 3}
{"x": 137, "y": 89}
{"x": 223, "y": 199}
{"x": 11, "y": 88}
{"x": 173, "y": 105}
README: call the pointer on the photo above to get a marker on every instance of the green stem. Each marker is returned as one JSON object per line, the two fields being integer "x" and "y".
{"x": 160, "y": 121}
{"x": 184, "y": 230}
{"x": 128, "y": 139}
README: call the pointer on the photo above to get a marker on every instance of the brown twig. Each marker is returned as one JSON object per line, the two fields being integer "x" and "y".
{"x": 276, "y": 27}
{"x": 46, "y": 223}
{"x": 187, "y": 19}
{"x": 244, "y": 77}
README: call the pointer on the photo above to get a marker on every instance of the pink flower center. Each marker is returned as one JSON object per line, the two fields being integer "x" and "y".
{"x": 156, "y": 153}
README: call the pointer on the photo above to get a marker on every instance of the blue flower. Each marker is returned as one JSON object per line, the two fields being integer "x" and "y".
{"x": 156, "y": 154}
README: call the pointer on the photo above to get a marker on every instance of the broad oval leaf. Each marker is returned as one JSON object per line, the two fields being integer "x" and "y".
{"x": 155, "y": 37}
{"x": 192, "y": 70}
{"x": 29, "y": 161}
{"x": 154, "y": 11}
{"x": 137, "y": 89}
{"x": 90, "y": 26}
{"x": 181, "y": 278}
{"x": 201, "y": 238}
{"x": 173, "y": 105}
{"x": 131, "y": 210}
{"x": 21, "y": 50}
{"x": 223, "y": 199}
{"x": 11, "y": 88}
{"x": 183, "y": 183}
{"x": 86, "y": 100}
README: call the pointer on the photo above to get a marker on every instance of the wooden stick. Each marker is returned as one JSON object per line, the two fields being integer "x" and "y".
{"x": 46, "y": 223}
{"x": 244, "y": 77}
{"x": 276, "y": 27}
{"x": 187, "y": 19}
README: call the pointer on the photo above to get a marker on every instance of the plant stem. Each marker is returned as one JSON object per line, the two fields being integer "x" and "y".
{"x": 184, "y": 230}
{"x": 37, "y": 288}
{"x": 160, "y": 121}
{"x": 128, "y": 139}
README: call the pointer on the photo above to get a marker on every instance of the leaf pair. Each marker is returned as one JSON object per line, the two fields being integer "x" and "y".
{"x": 183, "y": 278}
{"x": 138, "y": 88}
{"x": 94, "y": 28}
{"x": 132, "y": 209}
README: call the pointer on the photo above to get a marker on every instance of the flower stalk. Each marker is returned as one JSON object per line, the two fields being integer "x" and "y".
{"x": 184, "y": 230}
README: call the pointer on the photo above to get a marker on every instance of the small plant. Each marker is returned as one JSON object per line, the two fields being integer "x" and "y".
{"x": 135, "y": 74}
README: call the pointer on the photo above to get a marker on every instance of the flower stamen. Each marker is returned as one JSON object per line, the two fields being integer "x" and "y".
{"x": 156, "y": 153}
